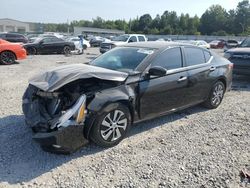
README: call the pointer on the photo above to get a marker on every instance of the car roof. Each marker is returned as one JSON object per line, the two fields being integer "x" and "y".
{"x": 156, "y": 44}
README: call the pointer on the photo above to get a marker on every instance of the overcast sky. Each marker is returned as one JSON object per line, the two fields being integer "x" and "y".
{"x": 62, "y": 10}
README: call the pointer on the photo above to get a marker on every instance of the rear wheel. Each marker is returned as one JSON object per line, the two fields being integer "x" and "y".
{"x": 66, "y": 50}
{"x": 111, "y": 126}
{"x": 7, "y": 58}
{"x": 216, "y": 95}
{"x": 31, "y": 51}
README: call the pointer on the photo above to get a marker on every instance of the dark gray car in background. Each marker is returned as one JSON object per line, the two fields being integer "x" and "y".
{"x": 240, "y": 57}
{"x": 69, "y": 105}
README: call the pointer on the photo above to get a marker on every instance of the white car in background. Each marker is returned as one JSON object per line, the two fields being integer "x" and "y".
{"x": 201, "y": 43}
{"x": 76, "y": 41}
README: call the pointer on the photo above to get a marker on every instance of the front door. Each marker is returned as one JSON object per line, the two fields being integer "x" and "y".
{"x": 159, "y": 95}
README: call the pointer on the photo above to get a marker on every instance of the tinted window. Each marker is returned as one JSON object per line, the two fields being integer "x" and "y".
{"x": 11, "y": 36}
{"x": 46, "y": 40}
{"x": 133, "y": 39}
{"x": 169, "y": 59}
{"x": 141, "y": 38}
{"x": 194, "y": 56}
{"x": 207, "y": 55}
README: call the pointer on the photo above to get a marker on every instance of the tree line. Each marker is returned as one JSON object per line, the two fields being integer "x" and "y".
{"x": 214, "y": 21}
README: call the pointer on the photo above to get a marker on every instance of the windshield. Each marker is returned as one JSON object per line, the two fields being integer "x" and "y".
{"x": 122, "y": 38}
{"x": 122, "y": 59}
{"x": 245, "y": 43}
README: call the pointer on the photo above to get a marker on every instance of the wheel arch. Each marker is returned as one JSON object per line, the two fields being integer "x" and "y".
{"x": 90, "y": 121}
{"x": 223, "y": 80}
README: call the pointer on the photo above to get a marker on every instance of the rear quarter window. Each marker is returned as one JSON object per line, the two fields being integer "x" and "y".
{"x": 194, "y": 56}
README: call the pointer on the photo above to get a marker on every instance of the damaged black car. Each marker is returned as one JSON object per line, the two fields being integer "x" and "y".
{"x": 70, "y": 105}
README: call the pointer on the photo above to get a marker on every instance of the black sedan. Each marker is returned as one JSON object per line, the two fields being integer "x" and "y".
{"x": 69, "y": 105}
{"x": 49, "y": 45}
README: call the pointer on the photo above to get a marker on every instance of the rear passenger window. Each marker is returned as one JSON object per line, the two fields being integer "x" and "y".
{"x": 169, "y": 59}
{"x": 207, "y": 55}
{"x": 141, "y": 38}
{"x": 194, "y": 56}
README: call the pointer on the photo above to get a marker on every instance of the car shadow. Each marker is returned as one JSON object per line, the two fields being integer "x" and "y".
{"x": 21, "y": 159}
{"x": 15, "y": 63}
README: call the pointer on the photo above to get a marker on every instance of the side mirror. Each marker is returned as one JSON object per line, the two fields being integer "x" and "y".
{"x": 41, "y": 42}
{"x": 130, "y": 41}
{"x": 157, "y": 71}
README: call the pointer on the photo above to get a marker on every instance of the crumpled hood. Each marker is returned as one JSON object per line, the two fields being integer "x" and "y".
{"x": 56, "y": 78}
{"x": 239, "y": 50}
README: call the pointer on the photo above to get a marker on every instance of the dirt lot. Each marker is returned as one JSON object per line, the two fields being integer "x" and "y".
{"x": 192, "y": 148}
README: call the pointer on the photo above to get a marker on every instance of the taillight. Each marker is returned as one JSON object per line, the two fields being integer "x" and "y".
{"x": 230, "y": 65}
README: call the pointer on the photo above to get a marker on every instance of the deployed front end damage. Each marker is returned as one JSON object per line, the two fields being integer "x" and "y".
{"x": 57, "y": 116}
{"x": 56, "y": 128}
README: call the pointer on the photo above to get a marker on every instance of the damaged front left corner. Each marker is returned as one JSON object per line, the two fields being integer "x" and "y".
{"x": 56, "y": 130}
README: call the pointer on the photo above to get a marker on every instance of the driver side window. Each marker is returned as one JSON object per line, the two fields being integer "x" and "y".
{"x": 169, "y": 59}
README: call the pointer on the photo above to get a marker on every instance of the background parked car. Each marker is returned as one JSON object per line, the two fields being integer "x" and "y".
{"x": 9, "y": 52}
{"x": 121, "y": 40}
{"x": 49, "y": 45}
{"x": 231, "y": 44}
{"x": 202, "y": 43}
{"x": 217, "y": 44}
{"x": 13, "y": 37}
{"x": 240, "y": 57}
{"x": 96, "y": 41}
{"x": 76, "y": 41}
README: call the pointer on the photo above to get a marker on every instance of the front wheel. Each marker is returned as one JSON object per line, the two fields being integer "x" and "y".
{"x": 111, "y": 126}
{"x": 216, "y": 95}
{"x": 7, "y": 58}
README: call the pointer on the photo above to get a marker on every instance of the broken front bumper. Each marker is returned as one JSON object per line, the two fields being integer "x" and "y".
{"x": 63, "y": 141}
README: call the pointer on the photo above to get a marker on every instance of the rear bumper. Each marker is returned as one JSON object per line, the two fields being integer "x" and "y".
{"x": 64, "y": 141}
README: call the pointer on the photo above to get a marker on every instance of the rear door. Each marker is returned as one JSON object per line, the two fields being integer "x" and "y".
{"x": 201, "y": 73}
{"x": 162, "y": 94}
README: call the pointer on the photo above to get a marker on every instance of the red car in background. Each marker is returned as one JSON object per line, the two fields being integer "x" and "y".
{"x": 217, "y": 44}
{"x": 9, "y": 52}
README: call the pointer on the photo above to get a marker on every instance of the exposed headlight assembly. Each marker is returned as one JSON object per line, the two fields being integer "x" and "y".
{"x": 73, "y": 116}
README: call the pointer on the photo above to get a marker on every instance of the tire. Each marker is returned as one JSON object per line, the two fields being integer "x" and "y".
{"x": 216, "y": 95}
{"x": 7, "y": 58}
{"x": 105, "y": 131}
{"x": 66, "y": 50}
{"x": 31, "y": 51}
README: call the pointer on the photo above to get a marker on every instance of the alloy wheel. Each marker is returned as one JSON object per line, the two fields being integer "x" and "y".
{"x": 7, "y": 58}
{"x": 217, "y": 95}
{"x": 113, "y": 125}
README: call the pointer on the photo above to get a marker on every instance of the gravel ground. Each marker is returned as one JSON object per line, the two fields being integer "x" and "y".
{"x": 192, "y": 148}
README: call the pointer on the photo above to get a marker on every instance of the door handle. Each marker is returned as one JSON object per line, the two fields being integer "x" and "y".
{"x": 182, "y": 78}
{"x": 212, "y": 68}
